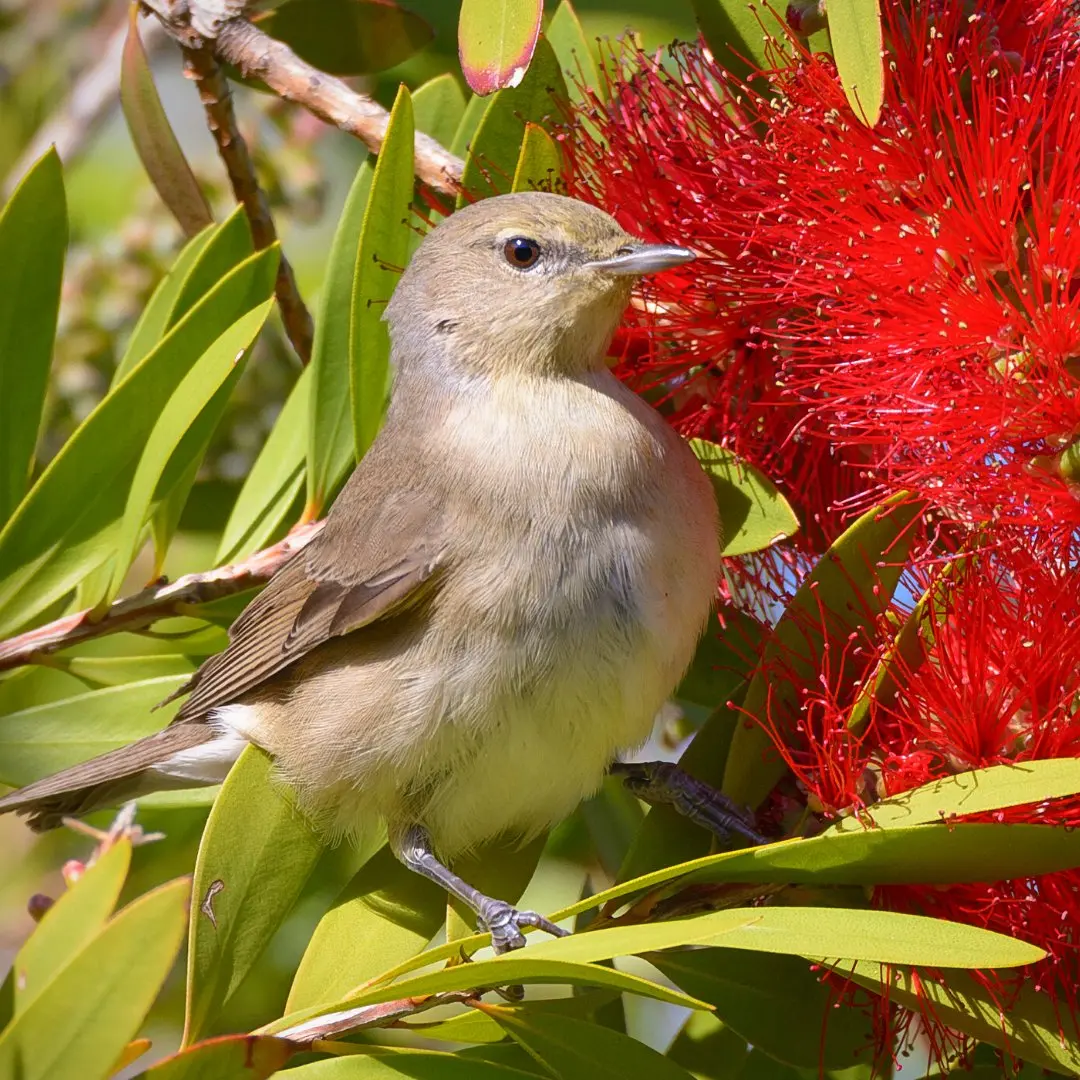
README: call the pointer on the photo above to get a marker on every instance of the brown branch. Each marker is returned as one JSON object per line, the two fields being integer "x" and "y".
{"x": 384, "y": 1014}
{"x": 155, "y": 602}
{"x": 216, "y": 97}
{"x": 258, "y": 55}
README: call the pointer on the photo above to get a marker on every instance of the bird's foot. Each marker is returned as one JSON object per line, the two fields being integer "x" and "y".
{"x": 659, "y": 782}
{"x": 505, "y": 924}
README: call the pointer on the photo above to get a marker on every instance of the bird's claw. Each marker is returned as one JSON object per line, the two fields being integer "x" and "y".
{"x": 505, "y": 924}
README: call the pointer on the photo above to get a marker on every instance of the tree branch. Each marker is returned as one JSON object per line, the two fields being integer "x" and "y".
{"x": 216, "y": 97}
{"x": 237, "y": 42}
{"x": 155, "y": 602}
{"x": 384, "y": 1014}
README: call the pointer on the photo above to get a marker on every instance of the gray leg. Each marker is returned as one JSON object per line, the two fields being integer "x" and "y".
{"x": 659, "y": 782}
{"x": 502, "y": 920}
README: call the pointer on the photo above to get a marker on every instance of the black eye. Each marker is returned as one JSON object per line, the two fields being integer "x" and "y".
{"x": 521, "y": 252}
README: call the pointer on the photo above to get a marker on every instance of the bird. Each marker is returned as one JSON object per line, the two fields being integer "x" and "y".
{"x": 505, "y": 593}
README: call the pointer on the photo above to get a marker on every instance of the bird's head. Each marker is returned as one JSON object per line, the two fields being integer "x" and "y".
{"x": 533, "y": 283}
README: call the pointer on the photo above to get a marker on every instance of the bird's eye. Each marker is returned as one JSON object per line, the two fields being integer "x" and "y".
{"x": 521, "y": 252}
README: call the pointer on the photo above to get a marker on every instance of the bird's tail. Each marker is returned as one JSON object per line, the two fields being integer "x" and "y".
{"x": 166, "y": 759}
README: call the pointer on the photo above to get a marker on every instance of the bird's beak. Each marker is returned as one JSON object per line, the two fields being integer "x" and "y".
{"x": 641, "y": 258}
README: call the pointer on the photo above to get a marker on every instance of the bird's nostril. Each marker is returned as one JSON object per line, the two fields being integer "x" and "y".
{"x": 626, "y": 249}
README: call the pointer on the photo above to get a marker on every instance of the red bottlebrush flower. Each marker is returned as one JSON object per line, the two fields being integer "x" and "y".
{"x": 876, "y": 308}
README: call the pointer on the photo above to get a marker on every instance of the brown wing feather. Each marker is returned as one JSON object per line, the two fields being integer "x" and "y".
{"x": 379, "y": 553}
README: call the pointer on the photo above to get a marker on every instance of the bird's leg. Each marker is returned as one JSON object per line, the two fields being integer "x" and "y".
{"x": 659, "y": 782}
{"x": 502, "y": 920}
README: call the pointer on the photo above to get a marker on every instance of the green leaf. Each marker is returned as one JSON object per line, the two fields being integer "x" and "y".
{"x": 58, "y": 534}
{"x": 153, "y": 321}
{"x": 577, "y": 58}
{"x": 103, "y": 671}
{"x": 709, "y": 1048}
{"x": 492, "y": 161}
{"x": 385, "y": 1064}
{"x": 539, "y": 166}
{"x": 438, "y": 107}
{"x": 256, "y": 854}
{"x": 753, "y": 513}
{"x": 386, "y": 914}
{"x": 274, "y": 481}
{"x": 496, "y": 39}
{"x": 467, "y": 127}
{"x": 154, "y": 140}
{"x": 846, "y": 933}
{"x": 221, "y": 363}
{"x": 384, "y": 245}
{"x": 516, "y": 967}
{"x": 1029, "y": 1028}
{"x": 775, "y": 1003}
{"x": 330, "y": 441}
{"x": 922, "y": 854}
{"x": 70, "y": 924}
{"x": 46, "y": 738}
{"x": 78, "y": 1025}
{"x": 977, "y": 792}
{"x": 33, "y": 242}
{"x": 571, "y": 1049}
{"x": 348, "y": 37}
{"x": 737, "y": 31}
{"x": 229, "y": 1057}
{"x": 855, "y": 31}
{"x": 724, "y": 660}
{"x": 852, "y": 583}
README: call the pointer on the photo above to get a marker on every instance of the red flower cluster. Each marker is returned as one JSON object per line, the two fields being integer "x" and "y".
{"x": 878, "y": 310}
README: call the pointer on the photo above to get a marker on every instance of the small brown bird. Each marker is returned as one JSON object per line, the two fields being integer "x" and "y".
{"x": 507, "y": 590}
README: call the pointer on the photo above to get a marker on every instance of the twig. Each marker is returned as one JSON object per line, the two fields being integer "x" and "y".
{"x": 384, "y": 1014}
{"x": 155, "y": 602}
{"x": 92, "y": 96}
{"x": 258, "y": 55}
{"x": 216, "y": 97}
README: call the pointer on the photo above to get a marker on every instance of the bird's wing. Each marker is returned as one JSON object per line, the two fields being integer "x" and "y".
{"x": 378, "y": 554}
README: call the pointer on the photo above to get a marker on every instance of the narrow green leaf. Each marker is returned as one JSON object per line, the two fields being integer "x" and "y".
{"x": 468, "y": 125}
{"x": 77, "y": 1027}
{"x": 1028, "y": 1029}
{"x": 154, "y": 140}
{"x": 577, "y": 57}
{"x": 384, "y": 244}
{"x": 274, "y": 482}
{"x": 70, "y": 924}
{"x": 775, "y": 1002}
{"x": 386, "y": 914}
{"x": 151, "y": 325}
{"x": 33, "y": 242}
{"x": 852, "y": 583}
{"x": 855, "y": 31}
{"x": 58, "y": 534}
{"x": 753, "y": 513}
{"x": 494, "y": 148}
{"x": 539, "y": 166}
{"x": 922, "y": 854}
{"x": 221, "y": 362}
{"x": 386, "y": 1064}
{"x": 348, "y": 37}
{"x": 101, "y": 671}
{"x": 496, "y": 39}
{"x": 438, "y": 107}
{"x": 257, "y": 851}
{"x": 846, "y": 933}
{"x": 44, "y": 739}
{"x": 724, "y": 659}
{"x": 330, "y": 442}
{"x": 514, "y": 967}
{"x": 229, "y": 1057}
{"x": 977, "y": 792}
{"x": 229, "y": 245}
{"x": 572, "y": 1049}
